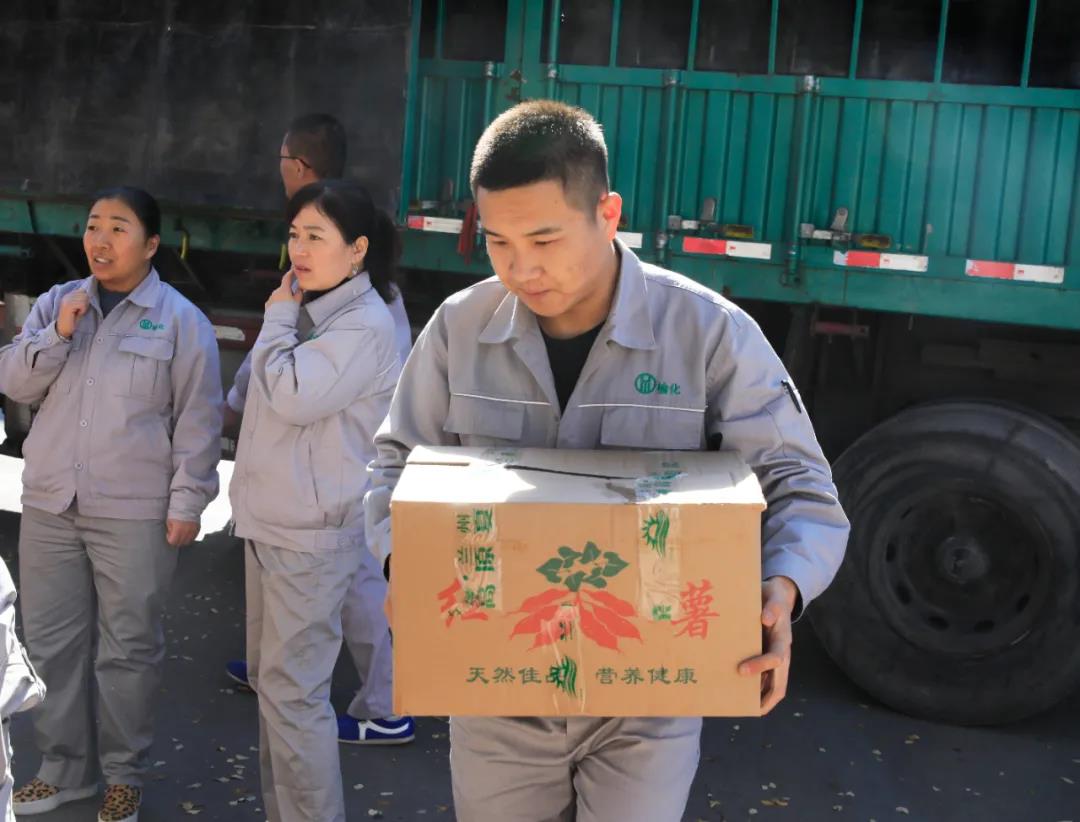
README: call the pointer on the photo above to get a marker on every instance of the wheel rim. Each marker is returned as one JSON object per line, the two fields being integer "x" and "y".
{"x": 957, "y": 568}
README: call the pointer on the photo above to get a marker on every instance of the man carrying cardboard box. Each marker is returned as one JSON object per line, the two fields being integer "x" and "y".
{"x": 578, "y": 344}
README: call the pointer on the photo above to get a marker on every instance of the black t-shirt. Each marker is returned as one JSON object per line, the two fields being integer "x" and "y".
{"x": 110, "y": 299}
{"x": 567, "y": 358}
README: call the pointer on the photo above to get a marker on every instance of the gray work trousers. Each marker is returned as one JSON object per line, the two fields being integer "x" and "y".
{"x": 367, "y": 636}
{"x": 86, "y": 582}
{"x": 577, "y": 769}
{"x": 294, "y": 601}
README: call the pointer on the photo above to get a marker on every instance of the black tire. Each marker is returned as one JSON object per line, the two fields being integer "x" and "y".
{"x": 959, "y": 597}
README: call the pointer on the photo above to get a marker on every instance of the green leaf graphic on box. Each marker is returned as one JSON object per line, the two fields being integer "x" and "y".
{"x": 569, "y": 556}
{"x": 599, "y": 567}
{"x": 551, "y": 570}
{"x": 596, "y": 578}
{"x": 614, "y": 565}
{"x": 591, "y": 553}
{"x": 573, "y": 582}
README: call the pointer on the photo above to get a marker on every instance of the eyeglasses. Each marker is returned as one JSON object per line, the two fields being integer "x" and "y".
{"x": 300, "y": 160}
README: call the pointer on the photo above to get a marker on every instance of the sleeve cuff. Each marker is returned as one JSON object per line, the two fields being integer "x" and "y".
{"x": 798, "y": 571}
{"x": 51, "y": 336}
{"x": 183, "y": 514}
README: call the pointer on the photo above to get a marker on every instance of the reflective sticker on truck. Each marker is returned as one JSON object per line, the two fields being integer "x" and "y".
{"x": 1015, "y": 271}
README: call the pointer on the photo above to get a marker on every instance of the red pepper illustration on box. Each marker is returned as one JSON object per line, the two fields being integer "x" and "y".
{"x": 580, "y": 604}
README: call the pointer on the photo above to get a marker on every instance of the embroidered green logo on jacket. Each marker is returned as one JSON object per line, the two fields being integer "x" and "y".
{"x": 646, "y": 383}
{"x": 150, "y": 325}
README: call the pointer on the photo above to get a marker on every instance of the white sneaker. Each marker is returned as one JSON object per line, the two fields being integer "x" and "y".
{"x": 392, "y": 730}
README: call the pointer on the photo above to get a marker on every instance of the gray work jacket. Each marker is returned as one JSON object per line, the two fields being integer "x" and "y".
{"x": 675, "y": 367}
{"x": 130, "y": 417}
{"x": 402, "y": 335}
{"x": 312, "y": 408}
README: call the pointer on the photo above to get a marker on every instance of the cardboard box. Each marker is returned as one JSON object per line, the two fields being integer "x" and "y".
{"x": 558, "y": 582}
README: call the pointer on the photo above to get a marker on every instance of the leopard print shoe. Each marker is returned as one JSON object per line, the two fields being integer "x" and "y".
{"x": 37, "y": 797}
{"x": 121, "y": 804}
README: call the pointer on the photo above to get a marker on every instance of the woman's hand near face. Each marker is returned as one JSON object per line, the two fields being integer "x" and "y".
{"x": 72, "y": 307}
{"x": 285, "y": 291}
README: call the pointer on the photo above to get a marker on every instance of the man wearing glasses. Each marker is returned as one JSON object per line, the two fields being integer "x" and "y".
{"x": 313, "y": 150}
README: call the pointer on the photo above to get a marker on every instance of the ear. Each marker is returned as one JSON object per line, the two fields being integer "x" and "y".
{"x": 152, "y": 245}
{"x": 359, "y": 251}
{"x": 609, "y": 212}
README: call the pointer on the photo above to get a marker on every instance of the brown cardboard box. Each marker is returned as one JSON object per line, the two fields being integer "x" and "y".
{"x": 558, "y": 582}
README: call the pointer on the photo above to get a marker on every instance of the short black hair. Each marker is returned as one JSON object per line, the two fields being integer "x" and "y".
{"x": 144, "y": 205}
{"x": 349, "y": 206}
{"x": 543, "y": 140}
{"x": 319, "y": 140}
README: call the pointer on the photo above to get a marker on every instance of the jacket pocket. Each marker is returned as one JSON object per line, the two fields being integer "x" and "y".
{"x": 144, "y": 372}
{"x": 477, "y": 421}
{"x": 279, "y": 485}
{"x": 327, "y": 475}
{"x": 72, "y": 370}
{"x": 132, "y": 456}
{"x": 653, "y": 428}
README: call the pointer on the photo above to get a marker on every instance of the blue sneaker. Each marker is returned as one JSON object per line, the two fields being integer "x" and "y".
{"x": 236, "y": 670}
{"x": 393, "y": 730}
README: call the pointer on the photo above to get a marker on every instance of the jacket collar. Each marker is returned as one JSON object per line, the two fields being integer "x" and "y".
{"x": 322, "y": 308}
{"x": 144, "y": 295}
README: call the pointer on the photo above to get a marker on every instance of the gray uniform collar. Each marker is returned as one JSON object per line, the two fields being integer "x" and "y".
{"x": 324, "y": 307}
{"x": 144, "y": 295}
{"x": 629, "y": 321}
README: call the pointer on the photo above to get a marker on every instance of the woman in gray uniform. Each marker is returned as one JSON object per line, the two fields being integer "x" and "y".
{"x": 120, "y": 462}
{"x": 323, "y": 370}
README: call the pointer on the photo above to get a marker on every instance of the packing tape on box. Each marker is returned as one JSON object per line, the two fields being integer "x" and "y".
{"x": 657, "y": 484}
{"x": 477, "y": 586}
{"x": 658, "y": 562}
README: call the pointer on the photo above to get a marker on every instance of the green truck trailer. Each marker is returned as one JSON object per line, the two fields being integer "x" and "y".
{"x": 891, "y": 189}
